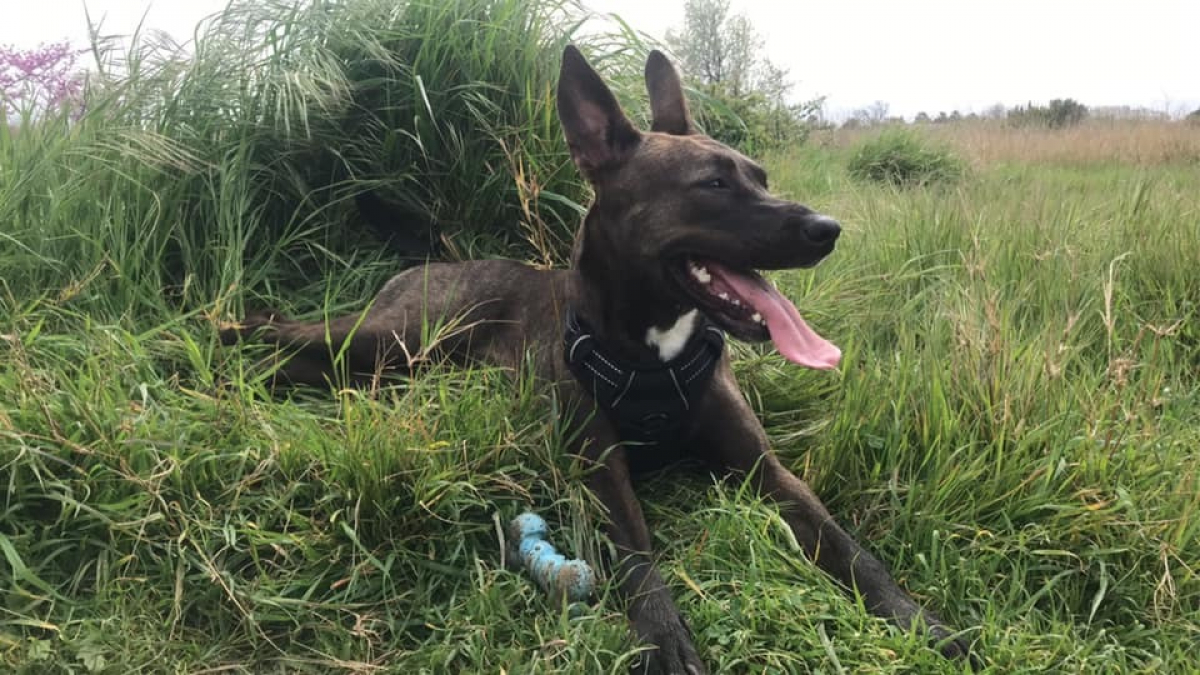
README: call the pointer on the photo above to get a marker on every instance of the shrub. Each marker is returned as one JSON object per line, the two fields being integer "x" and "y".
{"x": 901, "y": 157}
{"x": 752, "y": 122}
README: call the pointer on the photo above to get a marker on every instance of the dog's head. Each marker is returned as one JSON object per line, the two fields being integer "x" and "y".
{"x": 690, "y": 216}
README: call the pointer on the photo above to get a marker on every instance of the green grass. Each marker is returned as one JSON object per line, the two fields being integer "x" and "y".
{"x": 1013, "y": 429}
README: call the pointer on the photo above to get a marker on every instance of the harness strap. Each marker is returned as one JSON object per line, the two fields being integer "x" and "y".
{"x": 649, "y": 403}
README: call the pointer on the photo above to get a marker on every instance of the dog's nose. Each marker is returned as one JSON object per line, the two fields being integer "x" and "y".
{"x": 821, "y": 229}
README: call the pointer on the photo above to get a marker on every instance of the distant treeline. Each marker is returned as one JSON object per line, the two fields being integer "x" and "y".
{"x": 1057, "y": 114}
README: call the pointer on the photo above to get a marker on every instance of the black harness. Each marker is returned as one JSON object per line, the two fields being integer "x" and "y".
{"x": 649, "y": 403}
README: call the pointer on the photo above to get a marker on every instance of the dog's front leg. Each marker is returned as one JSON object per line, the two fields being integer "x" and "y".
{"x": 734, "y": 440}
{"x": 653, "y": 614}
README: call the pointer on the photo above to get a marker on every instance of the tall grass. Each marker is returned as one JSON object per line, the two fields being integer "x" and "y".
{"x": 1129, "y": 142}
{"x": 238, "y": 168}
{"x": 1013, "y": 428}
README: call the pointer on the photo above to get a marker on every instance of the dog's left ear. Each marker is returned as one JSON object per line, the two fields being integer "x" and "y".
{"x": 667, "y": 103}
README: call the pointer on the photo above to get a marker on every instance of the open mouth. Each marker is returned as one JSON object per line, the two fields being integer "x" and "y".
{"x": 749, "y": 308}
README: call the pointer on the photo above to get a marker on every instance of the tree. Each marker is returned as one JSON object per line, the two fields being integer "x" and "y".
{"x": 874, "y": 114}
{"x": 40, "y": 79}
{"x": 1060, "y": 113}
{"x": 1065, "y": 113}
{"x": 995, "y": 111}
{"x": 721, "y": 52}
{"x": 921, "y": 118}
{"x": 715, "y": 47}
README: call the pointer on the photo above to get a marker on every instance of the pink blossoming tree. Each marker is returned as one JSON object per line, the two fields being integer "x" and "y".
{"x": 39, "y": 79}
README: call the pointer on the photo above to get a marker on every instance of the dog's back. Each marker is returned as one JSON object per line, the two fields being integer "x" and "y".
{"x": 495, "y": 312}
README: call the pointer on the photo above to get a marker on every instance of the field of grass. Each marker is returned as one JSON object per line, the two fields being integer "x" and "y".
{"x": 1014, "y": 430}
{"x": 1140, "y": 143}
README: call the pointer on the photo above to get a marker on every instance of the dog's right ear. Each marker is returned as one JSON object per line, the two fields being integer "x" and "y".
{"x": 598, "y": 132}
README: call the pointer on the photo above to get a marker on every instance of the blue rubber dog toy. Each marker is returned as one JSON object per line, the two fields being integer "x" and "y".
{"x": 558, "y": 576}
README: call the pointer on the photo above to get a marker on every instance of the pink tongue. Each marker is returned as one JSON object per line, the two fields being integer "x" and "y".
{"x": 792, "y": 337}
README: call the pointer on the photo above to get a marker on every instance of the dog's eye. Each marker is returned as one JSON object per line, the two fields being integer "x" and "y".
{"x": 716, "y": 184}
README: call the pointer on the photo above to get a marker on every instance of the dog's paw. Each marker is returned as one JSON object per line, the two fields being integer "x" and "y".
{"x": 256, "y": 324}
{"x": 954, "y": 646}
{"x": 670, "y": 651}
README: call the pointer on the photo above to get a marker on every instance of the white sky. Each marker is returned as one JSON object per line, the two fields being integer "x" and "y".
{"x": 930, "y": 55}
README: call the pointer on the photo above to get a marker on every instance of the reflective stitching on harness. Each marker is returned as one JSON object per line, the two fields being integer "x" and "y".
{"x": 571, "y": 354}
{"x": 689, "y": 363}
{"x": 698, "y": 372}
{"x": 608, "y": 363}
{"x": 617, "y": 401}
{"x": 599, "y": 375}
{"x": 679, "y": 390}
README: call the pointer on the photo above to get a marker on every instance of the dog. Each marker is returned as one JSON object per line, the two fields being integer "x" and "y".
{"x": 632, "y": 336}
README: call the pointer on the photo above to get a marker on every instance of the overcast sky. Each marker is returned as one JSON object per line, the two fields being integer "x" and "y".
{"x": 931, "y": 55}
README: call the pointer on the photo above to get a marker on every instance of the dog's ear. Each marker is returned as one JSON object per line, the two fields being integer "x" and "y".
{"x": 598, "y": 132}
{"x": 667, "y": 102}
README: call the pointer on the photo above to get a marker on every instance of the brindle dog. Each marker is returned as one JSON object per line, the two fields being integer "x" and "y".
{"x": 667, "y": 253}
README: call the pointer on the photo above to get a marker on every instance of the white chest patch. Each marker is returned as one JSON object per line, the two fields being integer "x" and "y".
{"x": 670, "y": 342}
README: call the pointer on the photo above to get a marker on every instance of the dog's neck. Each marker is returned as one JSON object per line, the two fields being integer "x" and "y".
{"x": 628, "y": 311}
{"x": 635, "y": 324}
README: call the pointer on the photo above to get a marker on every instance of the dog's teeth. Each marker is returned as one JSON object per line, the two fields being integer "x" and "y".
{"x": 758, "y": 318}
{"x": 736, "y": 302}
{"x": 700, "y": 272}
{"x": 723, "y": 296}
